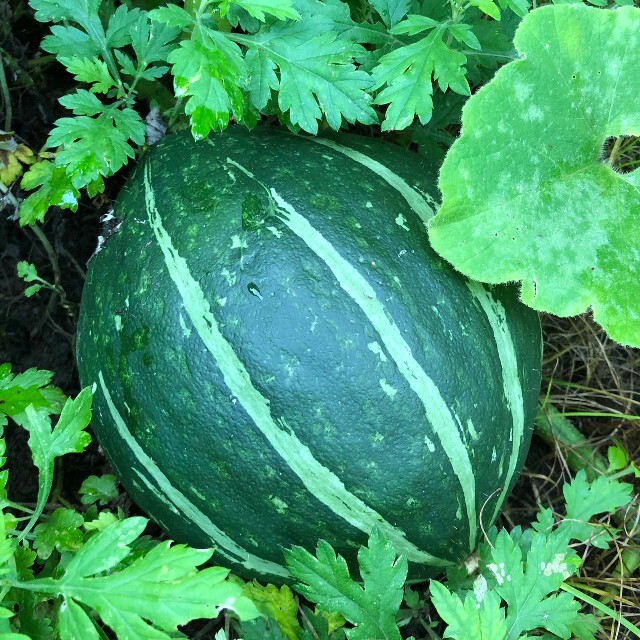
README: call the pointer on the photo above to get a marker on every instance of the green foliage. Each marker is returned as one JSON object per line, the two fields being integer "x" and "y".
{"x": 28, "y": 273}
{"x": 61, "y": 532}
{"x": 30, "y": 388}
{"x": 527, "y": 195}
{"x": 519, "y": 586}
{"x": 522, "y": 573}
{"x": 276, "y": 604}
{"x": 371, "y": 608}
{"x": 54, "y": 189}
{"x": 305, "y": 61}
{"x": 98, "y": 489}
{"x": 619, "y": 460}
{"x": 466, "y": 618}
{"x": 65, "y": 575}
{"x": 98, "y": 140}
{"x": 584, "y": 501}
{"x": 162, "y": 587}
{"x": 314, "y": 79}
{"x": 62, "y": 573}
{"x": 548, "y": 209}
{"x": 407, "y": 72}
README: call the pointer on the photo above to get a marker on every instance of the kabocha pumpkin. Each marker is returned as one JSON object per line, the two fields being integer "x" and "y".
{"x": 278, "y": 356}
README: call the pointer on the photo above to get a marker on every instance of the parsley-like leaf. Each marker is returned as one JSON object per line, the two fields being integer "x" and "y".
{"x": 27, "y": 271}
{"x": 68, "y": 436}
{"x": 70, "y": 41}
{"x": 151, "y": 40}
{"x": 528, "y": 569}
{"x": 162, "y": 588}
{"x": 476, "y": 617}
{"x": 120, "y": 24}
{"x": 81, "y": 11}
{"x": 259, "y": 9}
{"x": 406, "y": 75}
{"x": 94, "y": 147}
{"x": 101, "y": 489}
{"x": 278, "y": 605}
{"x": 317, "y": 75}
{"x": 56, "y": 190}
{"x": 33, "y": 387}
{"x": 83, "y": 103}
{"x": 335, "y": 16}
{"x": 372, "y": 608}
{"x": 91, "y": 70}
{"x": 391, "y": 11}
{"x": 47, "y": 444}
{"x": 585, "y": 500}
{"x": 61, "y": 531}
{"x": 209, "y": 70}
{"x": 526, "y": 583}
{"x": 172, "y": 15}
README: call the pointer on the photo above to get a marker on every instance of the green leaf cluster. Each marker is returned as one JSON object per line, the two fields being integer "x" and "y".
{"x": 516, "y": 585}
{"x": 29, "y": 273}
{"x": 309, "y": 63}
{"x": 371, "y": 607}
{"x": 521, "y": 586}
{"x": 71, "y": 573}
{"x": 114, "y": 58}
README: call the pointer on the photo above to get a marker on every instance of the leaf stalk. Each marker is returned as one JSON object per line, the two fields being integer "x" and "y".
{"x": 4, "y": 91}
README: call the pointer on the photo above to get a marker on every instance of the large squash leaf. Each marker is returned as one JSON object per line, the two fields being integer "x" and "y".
{"x": 527, "y": 194}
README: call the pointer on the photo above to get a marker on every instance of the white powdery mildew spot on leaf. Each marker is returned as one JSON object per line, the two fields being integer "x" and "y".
{"x": 499, "y": 572}
{"x": 558, "y": 565}
{"x": 534, "y": 114}
{"x": 614, "y": 67}
{"x": 545, "y": 208}
{"x": 480, "y": 588}
{"x": 522, "y": 91}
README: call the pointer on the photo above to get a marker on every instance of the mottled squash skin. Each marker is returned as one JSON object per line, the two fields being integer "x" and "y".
{"x": 279, "y": 356}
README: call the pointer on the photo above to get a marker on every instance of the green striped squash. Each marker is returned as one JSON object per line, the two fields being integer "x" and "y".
{"x": 278, "y": 356}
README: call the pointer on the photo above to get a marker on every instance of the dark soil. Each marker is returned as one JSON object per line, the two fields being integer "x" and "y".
{"x": 39, "y": 331}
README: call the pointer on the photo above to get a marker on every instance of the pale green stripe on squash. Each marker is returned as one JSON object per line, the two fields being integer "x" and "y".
{"x": 363, "y": 294}
{"x": 168, "y": 494}
{"x": 414, "y": 199}
{"x": 322, "y": 483}
{"x": 496, "y": 315}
